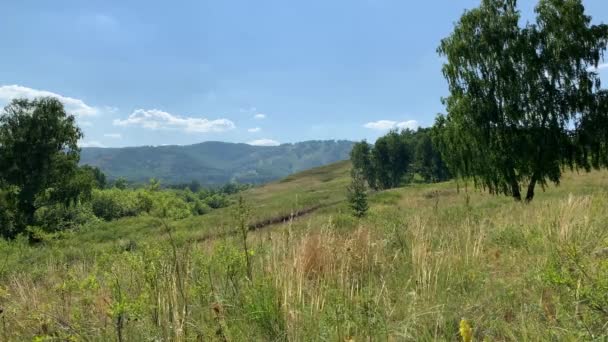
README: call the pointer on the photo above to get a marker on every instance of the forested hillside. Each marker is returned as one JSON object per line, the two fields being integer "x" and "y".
{"x": 214, "y": 163}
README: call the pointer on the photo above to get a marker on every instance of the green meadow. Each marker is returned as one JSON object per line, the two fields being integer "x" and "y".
{"x": 425, "y": 260}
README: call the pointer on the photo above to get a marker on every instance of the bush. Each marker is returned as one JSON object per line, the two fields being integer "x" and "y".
{"x": 58, "y": 217}
{"x": 116, "y": 203}
{"x": 167, "y": 204}
{"x": 217, "y": 201}
{"x": 200, "y": 208}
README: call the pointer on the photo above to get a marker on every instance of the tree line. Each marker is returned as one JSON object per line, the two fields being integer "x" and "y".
{"x": 398, "y": 158}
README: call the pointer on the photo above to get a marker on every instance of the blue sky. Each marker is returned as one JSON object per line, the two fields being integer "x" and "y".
{"x": 266, "y": 71}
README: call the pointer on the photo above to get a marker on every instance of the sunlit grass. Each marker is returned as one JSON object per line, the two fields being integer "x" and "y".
{"x": 426, "y": 259}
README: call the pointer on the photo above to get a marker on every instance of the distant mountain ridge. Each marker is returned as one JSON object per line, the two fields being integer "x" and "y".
{"x": 214, "y": 163}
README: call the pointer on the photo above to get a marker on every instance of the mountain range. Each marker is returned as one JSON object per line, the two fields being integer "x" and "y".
{"x": 214, "y": 163}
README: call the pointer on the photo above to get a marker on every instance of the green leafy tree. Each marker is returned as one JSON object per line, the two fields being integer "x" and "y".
{"x": 38, "y": 151}
{"x": 361, "y": 159}
{"x": 427, "y": 159}
{"x": 519, "y": 95}
{"x": 391, "y": 158}
{"x": 381, "y": 160}
{"x": 75, "y": 187}
{"x": 356, "y": 195}
{"x": 98, "y": 176}
{"x": 153, "y": 185}
{"x": 400, "y": 155}
{"x": 121, "y": 183}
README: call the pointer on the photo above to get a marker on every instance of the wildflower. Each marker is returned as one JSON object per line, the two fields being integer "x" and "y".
{"x": 466, "y": 332}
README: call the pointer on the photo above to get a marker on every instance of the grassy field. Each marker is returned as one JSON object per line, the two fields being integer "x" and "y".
{"x": 426, "y": 258}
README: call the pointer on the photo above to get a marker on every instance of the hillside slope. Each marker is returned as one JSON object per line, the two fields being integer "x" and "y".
{"x": 213, "y": 163}
{"x": 426, "y": 258}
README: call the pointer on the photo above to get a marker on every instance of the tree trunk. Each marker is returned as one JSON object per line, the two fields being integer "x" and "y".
{"x": 531, "y": 186}
{"x": 515, "y": 191}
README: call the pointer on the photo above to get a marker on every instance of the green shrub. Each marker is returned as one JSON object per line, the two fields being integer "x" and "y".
{"x": 111, "y": 204}
{"x": 115, "y": 203}
{"x": 200, "y": 208}
{"x": 217, "y": 201}
{"x": 167, "y": 204}
{"x": 59, "y": 217}
{"x": 145, "y": 201}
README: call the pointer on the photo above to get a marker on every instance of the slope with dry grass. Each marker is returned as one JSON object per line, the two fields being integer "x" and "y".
{"x": 426, "y": 257}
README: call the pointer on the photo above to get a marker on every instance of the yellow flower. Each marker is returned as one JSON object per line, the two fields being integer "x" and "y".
{"x": 466, "y": 332}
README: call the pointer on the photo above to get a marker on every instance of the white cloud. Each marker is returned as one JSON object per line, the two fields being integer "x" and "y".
{"x": 254, "y": 130}
{"x": 385, "y": 125}
{"x": 113, "y": 135}
{"x": 72, "y": 105}
{"x": 91, "y": 143}
{"x": 85, "y": 123}
{"x": 259, "y": 116}
{"x": 158, "y": 119}
{"x": 264, "y": 142}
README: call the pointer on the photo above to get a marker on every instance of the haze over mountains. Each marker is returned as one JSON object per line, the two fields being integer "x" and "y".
{"x": 214, "y": 163}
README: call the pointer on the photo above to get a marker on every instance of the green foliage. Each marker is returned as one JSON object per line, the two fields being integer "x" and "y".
{"x": 361, "y": 159}
{"x": 8, "y": 209}
{"x": 58, "y": 217}
{"x": 38, "y": 152}
{"x": 121, "y": 183}
{"x": 216, "y": 201}
{"x": 524, "y": 101}
{"x": 398, "y": 157}
{"x": 356, "y": 195}
{"x": 581, "y": 278}
{"x": 409, "y": 271}
{"x": 97, "y": 175}
{"x": 265, "y": 310}
{"x": 242, "y": 214}
{"x": 427, "y": 161}
{"x": 168, "y": 205}
{"x": 200, "y": 208}
{"x": 69, "y": 191}
{"x": 115, "y": 203}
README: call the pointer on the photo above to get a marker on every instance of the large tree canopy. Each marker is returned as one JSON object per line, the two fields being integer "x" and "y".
{"x": 39, "y": 155}
{"x": 525, "y": 101}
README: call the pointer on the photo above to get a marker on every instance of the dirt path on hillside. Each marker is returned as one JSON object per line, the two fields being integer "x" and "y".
{"x": 271, "y": 221}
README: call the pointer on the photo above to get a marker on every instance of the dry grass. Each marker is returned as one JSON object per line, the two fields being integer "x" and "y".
{"x": 424, "y": 259}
